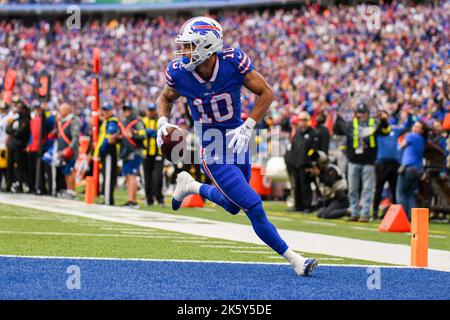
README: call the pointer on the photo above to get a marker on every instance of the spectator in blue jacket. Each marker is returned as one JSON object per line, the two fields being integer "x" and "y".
{"x": 411, "y": 169}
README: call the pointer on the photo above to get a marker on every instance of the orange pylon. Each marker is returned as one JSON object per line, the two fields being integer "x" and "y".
{"x": 89, "y": 192}
{"x": 419, "y": 237}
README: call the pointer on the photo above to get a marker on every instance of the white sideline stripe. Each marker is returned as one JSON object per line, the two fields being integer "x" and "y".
{"x": 137, "y": 259}
{"x": 38, "y": 233}
{"x": 189, "y": 261}
{"x": 209, "y": 261}
{"x": 379, "y": 252}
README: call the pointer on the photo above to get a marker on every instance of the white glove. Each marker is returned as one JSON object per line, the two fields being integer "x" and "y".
{"x": 163, "y": 124}
{"x": 241, "y": 136}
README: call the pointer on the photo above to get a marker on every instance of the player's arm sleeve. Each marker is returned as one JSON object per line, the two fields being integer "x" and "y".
{"x": 171, "y": 74}
{"x": 242, "y": 62}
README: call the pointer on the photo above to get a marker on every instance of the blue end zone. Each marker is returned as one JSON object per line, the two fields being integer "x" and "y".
{"x": 32, "y": 278}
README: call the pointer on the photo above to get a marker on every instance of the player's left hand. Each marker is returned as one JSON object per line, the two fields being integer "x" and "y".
{"x": 241, "y": 136}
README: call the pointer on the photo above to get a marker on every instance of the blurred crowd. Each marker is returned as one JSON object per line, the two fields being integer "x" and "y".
{"x": 43, "y": 1}
{"x": 314, "y": 59}
{"x": 323, "y": 61}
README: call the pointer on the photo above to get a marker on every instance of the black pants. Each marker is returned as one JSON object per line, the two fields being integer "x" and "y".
{"x": 153, "y": 176}
{"x": 17, "y": 168}
{"x": 3, "y": 171}
{"x": 384, "y": 172}
{"x": 302, "y": 189}
{"x": 336, "y": 207}
{"x": 2, "y": 177}
{"x": 113, "y": 178}
{"x": 33, "y": 162}
{"x": 48, "y": 178}
{"x": 47, "y": 182}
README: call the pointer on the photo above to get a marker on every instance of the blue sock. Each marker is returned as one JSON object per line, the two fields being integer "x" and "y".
{"x": 265, "y": 230}
{"x": 213, "y": 194}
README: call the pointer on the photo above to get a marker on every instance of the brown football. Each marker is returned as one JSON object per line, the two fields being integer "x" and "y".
{"x": 174, "y": 144}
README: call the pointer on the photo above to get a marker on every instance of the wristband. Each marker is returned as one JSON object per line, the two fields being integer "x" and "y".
{"x": 250, "y": 123}
{"x": 162, "y": 121}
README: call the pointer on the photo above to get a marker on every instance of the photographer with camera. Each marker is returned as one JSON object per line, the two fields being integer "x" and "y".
{"x": 332, "y": 187}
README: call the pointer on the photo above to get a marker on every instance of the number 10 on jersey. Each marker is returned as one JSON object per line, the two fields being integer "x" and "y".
{"x": 214, "y": 113}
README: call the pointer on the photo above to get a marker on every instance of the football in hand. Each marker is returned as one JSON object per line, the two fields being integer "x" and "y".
{"x": 174, "y": 144}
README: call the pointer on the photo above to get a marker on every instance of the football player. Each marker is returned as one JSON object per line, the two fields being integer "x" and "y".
{"x": 211, "y": 78}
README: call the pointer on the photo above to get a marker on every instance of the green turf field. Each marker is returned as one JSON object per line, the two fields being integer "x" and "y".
{"x": 439, "y": 237}
{"x": 28, "y": 232}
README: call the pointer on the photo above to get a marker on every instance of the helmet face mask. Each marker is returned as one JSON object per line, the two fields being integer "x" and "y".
{"x": 188, "y": 55}
{"x": 200, "y": 37}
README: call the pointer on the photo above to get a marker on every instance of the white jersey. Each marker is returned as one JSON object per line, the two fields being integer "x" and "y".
{"x": 4, "y": 117}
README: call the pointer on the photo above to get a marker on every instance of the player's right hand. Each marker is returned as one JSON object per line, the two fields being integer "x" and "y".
{"x": 163, "y": 124}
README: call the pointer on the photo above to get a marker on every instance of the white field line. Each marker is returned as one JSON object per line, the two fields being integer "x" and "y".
{"x": 127, "y": 229}
{"x": 38, "y": 233}
{"x": 251, "y": 251}
{"x": 279, "y": 218}
{"x": 206, "y": 209}
{"x": 363, "y": 228}
{"x": 437, "y": 237}
{"x": 319, "y": 259}
{"x": 230, "y": 247}
{"x": 201, "y": 241}
{"x": 26, "y": 218}
{"x": 319, "y": 223}
{"x": 380, "y": 252}
{"x": 161, "y": 233}
{"x": 136, "y": 259}
{"x": 96, "y": 225}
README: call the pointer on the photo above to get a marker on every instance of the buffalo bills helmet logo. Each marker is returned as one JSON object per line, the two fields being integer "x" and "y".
{"x": 202, "y": 27}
